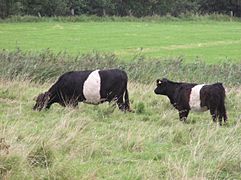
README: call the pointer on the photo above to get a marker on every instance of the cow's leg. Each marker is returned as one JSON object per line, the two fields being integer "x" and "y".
{"x": 48, "y": 105}
{"x": 51, "y": 100}
{"x": 74, "y": 104}
{"x": 183, "y": 114}
{"x": 220, "y": 119}
{"x": 120, "y": 103}
{"x": 62, "y": 103}
{"x": 56, "y": 99}
{"x": 219, "y": 115}
{"x": 225, "y": 118}
{"x": 222, "y": 114}
{"x": 127, "y": 102}
{"x": 213, "y": 113}
{"x": 112, "y": 102}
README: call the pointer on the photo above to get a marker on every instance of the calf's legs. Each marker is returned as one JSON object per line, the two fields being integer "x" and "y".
{"x": 222, "y": 114}
{"x": 219, "y": 112}
{"x": 213, "y": 113}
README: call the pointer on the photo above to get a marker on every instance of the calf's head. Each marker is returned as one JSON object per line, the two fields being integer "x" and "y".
{"x": 162, "y": 85}
{"x": 41, "y": 101}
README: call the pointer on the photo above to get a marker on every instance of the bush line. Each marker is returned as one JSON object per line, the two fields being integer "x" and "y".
{"x": 94, "y": 18}
{"x": 46, "y": 65}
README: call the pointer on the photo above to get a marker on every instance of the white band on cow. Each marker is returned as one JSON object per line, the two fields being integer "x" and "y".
{"x": 195, "y": 100}
{"x": 91, "y": 88}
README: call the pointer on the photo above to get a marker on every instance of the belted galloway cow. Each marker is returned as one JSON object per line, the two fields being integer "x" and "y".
{"x": 92, "y": 87}
{"x": 198, "y": 97}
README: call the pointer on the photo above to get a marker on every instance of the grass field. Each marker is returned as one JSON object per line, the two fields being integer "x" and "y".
{"x": 210, "y": 41}
{"x": 100, "y": 142}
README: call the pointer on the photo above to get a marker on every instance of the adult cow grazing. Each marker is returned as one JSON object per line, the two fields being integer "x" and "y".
{"x": 198, "y": 97}
{"x": 92, "y": 87}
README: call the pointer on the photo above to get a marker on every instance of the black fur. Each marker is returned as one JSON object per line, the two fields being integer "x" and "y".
{"x": 68, "y": 90}
{"x": 212, "y": 96}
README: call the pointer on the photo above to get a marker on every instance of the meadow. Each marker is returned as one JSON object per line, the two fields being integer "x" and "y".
{"x": 211, "y": 41}
{"x": 100, "y": 142}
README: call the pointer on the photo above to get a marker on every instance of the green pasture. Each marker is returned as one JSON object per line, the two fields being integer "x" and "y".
{"x": 100, "y": 142}
{"x": 210, "y": 41}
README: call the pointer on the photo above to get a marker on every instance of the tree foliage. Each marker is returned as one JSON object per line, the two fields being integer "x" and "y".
{"x": 138, "y": 8}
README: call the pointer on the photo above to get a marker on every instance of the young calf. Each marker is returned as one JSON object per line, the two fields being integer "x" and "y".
{"x": 92, "y": 87}
{"x": 198, "y": 97}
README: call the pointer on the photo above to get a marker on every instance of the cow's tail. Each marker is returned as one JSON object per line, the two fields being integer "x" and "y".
{"x": 127, "y": 101}
{"x": 221, "y": 106}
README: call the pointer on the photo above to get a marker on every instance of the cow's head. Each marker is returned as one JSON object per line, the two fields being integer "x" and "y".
{"x": 161, "y": 86}
{"x": 41, "y": 101}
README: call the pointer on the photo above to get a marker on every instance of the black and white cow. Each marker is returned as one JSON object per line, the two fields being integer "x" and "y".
{"x": 198, "y": 97}
{"x": 92, "y": 87}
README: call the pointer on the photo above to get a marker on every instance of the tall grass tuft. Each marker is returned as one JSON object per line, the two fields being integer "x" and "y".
{"x": 41, "y": 156}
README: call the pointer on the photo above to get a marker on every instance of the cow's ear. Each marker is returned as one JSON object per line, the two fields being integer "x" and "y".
{"x": 158, "y": 81}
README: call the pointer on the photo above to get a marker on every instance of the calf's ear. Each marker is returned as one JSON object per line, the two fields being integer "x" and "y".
{"x": 158, "y": 81}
